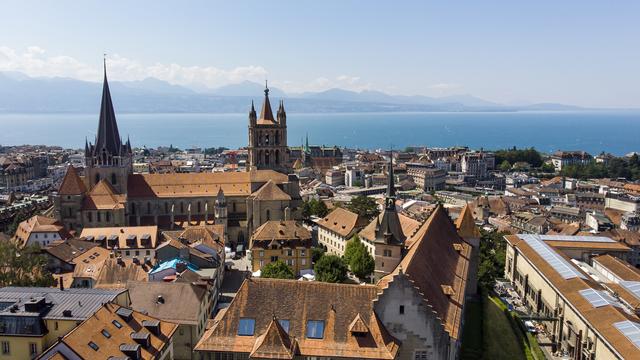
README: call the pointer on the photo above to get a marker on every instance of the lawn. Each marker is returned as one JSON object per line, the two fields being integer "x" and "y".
{"x": 500, "y": 340}
{"x": 472, "y": 332}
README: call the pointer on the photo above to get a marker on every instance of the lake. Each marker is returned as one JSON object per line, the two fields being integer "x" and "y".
{"x": 617, "y": 132}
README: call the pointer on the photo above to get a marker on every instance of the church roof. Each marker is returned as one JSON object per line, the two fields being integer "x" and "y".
{"x": 72, "y": 183}
{"x": 271, "y": 191}
{"x": 466, "y": 225}
{"x": 437, "y": 264}
{"x": 266, "y": 114}
{"x": 103, "y": 197}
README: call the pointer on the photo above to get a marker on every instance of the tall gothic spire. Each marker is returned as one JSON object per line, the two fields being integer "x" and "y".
{"x": 108, "y": 137}
{"x": 391, "y": 188}
{"x": 390, "y": 230}
{"x": 266, "y": 114}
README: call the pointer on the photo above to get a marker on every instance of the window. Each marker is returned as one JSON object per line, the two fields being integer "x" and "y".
{"x": 315, "y": 329}
{"x": 246, "y": 326}
{"x": 89, "y": 217}
{"x": 401, "y": 309}
{"x": 117, "y": 324}
{"x": 303, "y": 252}
{"x": 98, "y": 216}
{"x": 5, "y": 348}
{"x": 127, "y": 253}
{"x": 56, "y": 325}
{"x": 303, "y": 262}
{"x": 261, "y": 253}
{"x": 108, "y": 216}
{"x": 93, "y": 345}
{"x": 420, "y": 355}
{"x": 285, "y": 324}
{"x": 387, "y": 253}
{"x": 261, "y": 263}
{"x": 33, "y": 349}
{"x": 274, "y": 258}
{"x": 148, "y": 252}
{"x": 105, "y": 333}
{"x": 289, "y": 252}
{"x": 114, "y": 179}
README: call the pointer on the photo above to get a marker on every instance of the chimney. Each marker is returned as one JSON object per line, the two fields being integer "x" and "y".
{"x": 61, "y": 283}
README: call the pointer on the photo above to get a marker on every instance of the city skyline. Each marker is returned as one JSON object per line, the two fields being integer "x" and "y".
{"x": 578, "y": 54}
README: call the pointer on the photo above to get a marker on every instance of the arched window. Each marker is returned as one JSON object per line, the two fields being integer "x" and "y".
{"x": 97, "y": 178}
{"x": 133, "y": 208}
{"x": 107, "y": 215}
{"x": 114, "y": 179}
{"x": 104, "y": 157}
{"x": 166, "y": 208}
{"x": 277, "y": 156}
{"x": 148, "y": 208}
{"x": 268, "y": 215}
{"x": 266, "y": 140}
{"x": 199, "y": 207}
{"x": 266, "y": 157}
{"x": 182, "y": 208}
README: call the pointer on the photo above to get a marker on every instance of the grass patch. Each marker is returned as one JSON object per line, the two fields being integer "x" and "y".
{"x": 501, "y": 340}
{"x": 472, "y": 333}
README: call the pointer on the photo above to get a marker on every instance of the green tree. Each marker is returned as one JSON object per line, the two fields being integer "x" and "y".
{"x": 23, "y": 267}
{"x": 316, "y": 254}
{"x": 314, "y": 207}
{"x": 492, "y": 257}
{"x": 505, "y": 166}
{"x": 352, "y": 246}
{"x": 17, "y": 219}
{"x": 364, "y": 206}
{"x": 330, "y": 268}
{"x": 361, "y": 263}
{"x": 277, "y": 270}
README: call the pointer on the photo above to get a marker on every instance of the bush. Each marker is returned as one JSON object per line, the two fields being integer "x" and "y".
{"x": 314, "y": 207}
{"x": 364, "y": 206}
{"x": 358, "y": 258}
{"x": 316, "y": 254}
{"x": 277, "y": 270}
{"x": 330, "y": 268}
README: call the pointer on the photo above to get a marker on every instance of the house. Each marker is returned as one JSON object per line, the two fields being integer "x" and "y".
{"x": 39, "y": 230}
{"x": 127, "y": 242}
{"x": 184, "y": 304}
{"x": 33, "y": 318}
{"x": 337, "y": 227}
{"x": 61, "y": 254}
{"x": 170, "y": 269}
{"x": 116, "y": 332}
{"x": 285, "y": 240}
{"x": 313, "y": 320}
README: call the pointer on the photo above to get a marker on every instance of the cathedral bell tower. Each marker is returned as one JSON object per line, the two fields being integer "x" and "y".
{"x": 268, "y": 137}
{"x": 108, "y": 158}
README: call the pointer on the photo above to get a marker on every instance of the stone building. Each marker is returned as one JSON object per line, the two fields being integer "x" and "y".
{"x": 427, "y": 176}
{"x": 287, "y": 241}
{"x": 268, "y": 137}
{"x": 110, "y": 194}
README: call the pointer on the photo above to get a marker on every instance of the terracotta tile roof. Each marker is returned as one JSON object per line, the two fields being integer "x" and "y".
{"x": 408, "y": 225}
{"x": 335, "y": 304}
{"x": 91, "y": 331}
{"x": 613, "y": 246}
{"x": 199, "y": 184}
{"x": 38, "y": 224}
{"x": 601, "y": 318}
{"x": 466, "y": 225}
{"x": 270, "y": 191}
{"x": 115, "y": 274}
{"x": 209, "y": 235}
{"x": 140, "y": 232}
{"x": 620, "y": 268}
{"x": 631, "y": 238}
{"x": 70, "y": 249}
{"x": 437, "y": 258}
{"x": 275, "y": 343}
{"x": 103, "y": 197}
{"x": 72, "y": 184}
{"x": 89, "y": 264}
{"x": 281, "y": 230}
{"x": 180, "y": 302}
{"x": 343, "y": 222}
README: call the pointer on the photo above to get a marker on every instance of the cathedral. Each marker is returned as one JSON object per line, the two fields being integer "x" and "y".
{"x": 110, "y": 194}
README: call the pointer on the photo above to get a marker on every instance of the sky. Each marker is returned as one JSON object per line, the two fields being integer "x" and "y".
{"x": 584, "y": 53}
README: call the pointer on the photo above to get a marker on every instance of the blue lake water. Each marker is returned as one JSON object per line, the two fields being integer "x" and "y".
{"x": 617, "y": 132}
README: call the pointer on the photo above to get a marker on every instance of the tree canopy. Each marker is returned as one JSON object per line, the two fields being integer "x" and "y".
{"x": 364, "y": 206}
{"x": 330, "y": 268}
{"x": 514, "y": 155}
{"x": 314, "y": 207}
{"x": 628, "y": 168}
{"x": 23, "y": 267}
{"x": 492, "y": 257}
{"x": 277, "y": 270}
{"x": 356, "y": 256}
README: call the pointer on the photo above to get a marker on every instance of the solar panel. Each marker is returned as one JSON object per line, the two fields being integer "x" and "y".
{"x": 632, "y": 287}
{"x": 599, "y": 298}
{"x": 631, "y": 330}
{"x": 557, "y": 262}
{"x": 576, "y": 238}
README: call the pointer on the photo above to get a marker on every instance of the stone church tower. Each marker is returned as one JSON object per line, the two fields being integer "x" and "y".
{"x": 268, "y": 138}
{"x": 108, "y": 157}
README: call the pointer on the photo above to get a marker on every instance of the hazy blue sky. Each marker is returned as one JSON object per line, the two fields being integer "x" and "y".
{"x": 575, "y": 52}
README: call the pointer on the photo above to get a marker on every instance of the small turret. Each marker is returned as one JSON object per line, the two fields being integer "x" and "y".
{"x": 253, "y": 117}
{"x": 282, "y": 114}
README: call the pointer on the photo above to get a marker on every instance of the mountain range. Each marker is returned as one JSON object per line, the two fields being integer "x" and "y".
{"x": 20, "y": 93}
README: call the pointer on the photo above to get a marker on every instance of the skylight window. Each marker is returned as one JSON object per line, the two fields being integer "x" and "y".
{"x": 631, "y": 330}
{"x": 246, "y": 327}
{"x": 285, "y": 324}
{"x": 315, "y": 329}
{"x": 93, "y": 345}
{"x": 105, "y": 333}
{"x": 598, "y": 298}
{"x": 117, "y": 324}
